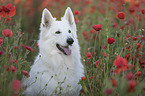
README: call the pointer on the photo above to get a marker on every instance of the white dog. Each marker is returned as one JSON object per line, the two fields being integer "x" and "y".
{"x": 57, "y": 68}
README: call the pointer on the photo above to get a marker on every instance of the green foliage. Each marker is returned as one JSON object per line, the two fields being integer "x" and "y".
{"x": 128, "y": 34}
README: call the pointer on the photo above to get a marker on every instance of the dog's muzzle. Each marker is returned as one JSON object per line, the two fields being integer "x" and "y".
{"x": 64, "y": 49}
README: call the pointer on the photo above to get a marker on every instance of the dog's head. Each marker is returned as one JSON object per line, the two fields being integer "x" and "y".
{"x": 59, "y": 35}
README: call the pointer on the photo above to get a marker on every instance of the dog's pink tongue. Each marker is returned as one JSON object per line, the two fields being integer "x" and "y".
{"x": 67, "y": 51}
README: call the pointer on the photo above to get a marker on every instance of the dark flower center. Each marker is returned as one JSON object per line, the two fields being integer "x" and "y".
{"x": 1, "y": 10}
{"x": 6, "y": 9}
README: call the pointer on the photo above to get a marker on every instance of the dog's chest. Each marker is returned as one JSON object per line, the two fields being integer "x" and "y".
{"x": 64, "y": 70}
{"x": 59, "y": 69}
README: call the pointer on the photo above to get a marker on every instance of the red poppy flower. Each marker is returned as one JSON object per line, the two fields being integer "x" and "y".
{"x": 7, "y": 68}
{"x": 96, "y": 63}
{"x": 92, "y": 31}
{"x": 16, "y": 47}
{"x": 132, "y": 10}
{"x": 144, "y": 88}
{"x": 83, "y": 78}
{"x": 97, "y": 27}
{"x": 91, "y": 77}
{"x": 25, "y": 73}
{"x": 16, "y": 61}
{"x": 22, "y": 45}
{"x": 143, "y": 11}
{"x": 36, "y": 45}
{"x": 138, "y": 45}
{"x": 16, "y": 85}
{"x": 121, "y": 15}
{"x": 129, "y": 76}
{"x": 139, "y": 73}
{"x": 108, "y": 91}
{"x": 17, "y": 1}
{"x": 104, "y": 55}
{"x": 85, "y": 33}
{"x": 121, "y": 64}
{"x": 134, "y": 38}
{"x": 131, "y": 85}
{"x": 115, "y": 25}
{"x": 88, "y": 55}
{"x": 127, "y": 56}
{"x": 104, "y": 46}
{"x": 82, "y": 91}
{"x": 77, "y": 20}
{"x": 122, "y": 27}
{"x": 7, "y": 32}
{"x": 93, "y": 9}
{"x": 102, "y": 11}
{"x": 87, "y": 2}
{"x": 1, "y": 41}
{"x": 28, "y": 48}
{"x": 14, "y": 69}
{"x": 114, "y": 82}
{"x": 1, "y": 52}
{"x": 9, "y": 19}
{"x": 7, "y": 10}
{"x": 76, "y": 12}
{"x": 110, "y": 40}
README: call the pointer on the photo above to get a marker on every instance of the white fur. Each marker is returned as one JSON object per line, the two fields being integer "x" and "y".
{"x": 53, "y": 73}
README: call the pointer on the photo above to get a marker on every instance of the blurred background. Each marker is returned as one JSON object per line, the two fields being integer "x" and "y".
{"x": 104, "y": 34}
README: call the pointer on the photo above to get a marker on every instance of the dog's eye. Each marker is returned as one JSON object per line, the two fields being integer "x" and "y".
{"x": 69, "y": 31}
{"x": 57, "y": 32}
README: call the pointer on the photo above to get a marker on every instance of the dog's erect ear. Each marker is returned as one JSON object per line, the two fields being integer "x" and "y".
{"x": 69, "y": 17}
{"x": 47, "y": 18}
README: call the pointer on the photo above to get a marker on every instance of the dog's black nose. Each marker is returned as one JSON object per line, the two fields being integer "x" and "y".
{"x": 70, "y": 41}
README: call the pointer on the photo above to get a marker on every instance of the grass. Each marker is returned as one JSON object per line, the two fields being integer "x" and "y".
{"x": 101, "y": 77}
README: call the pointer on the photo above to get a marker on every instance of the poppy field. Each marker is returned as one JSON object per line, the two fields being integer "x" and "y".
{"x": 111, "y": 35}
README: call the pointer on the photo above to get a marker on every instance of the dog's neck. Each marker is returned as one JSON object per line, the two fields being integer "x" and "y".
{"x": 52, "y": 57}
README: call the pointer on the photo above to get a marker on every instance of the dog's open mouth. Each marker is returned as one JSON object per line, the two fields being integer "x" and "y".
{"x": 64, "y": 49}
